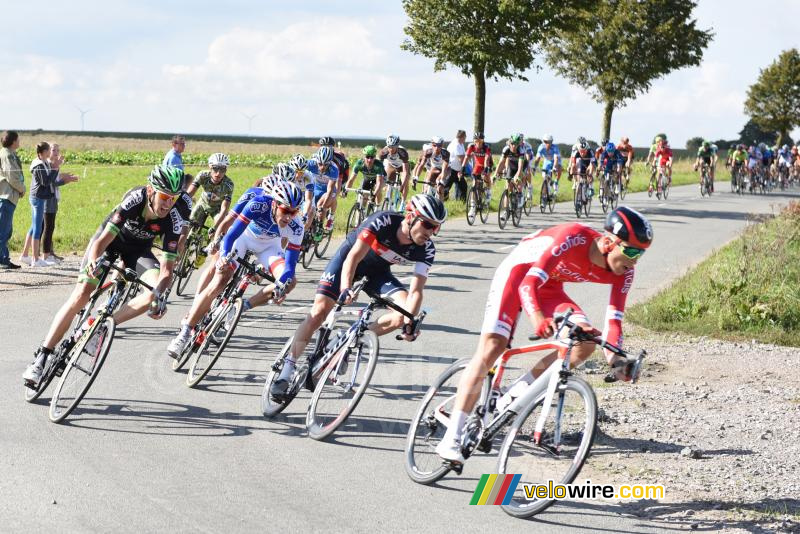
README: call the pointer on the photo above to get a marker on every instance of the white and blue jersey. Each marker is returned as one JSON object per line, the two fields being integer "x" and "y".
{"x": 321, "y": 179}
{"x": 549, "y": 156}
{"x": 256, "y": 226}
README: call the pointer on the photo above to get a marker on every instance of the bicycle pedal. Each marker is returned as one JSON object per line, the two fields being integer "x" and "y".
{"x": 456, "y": 467}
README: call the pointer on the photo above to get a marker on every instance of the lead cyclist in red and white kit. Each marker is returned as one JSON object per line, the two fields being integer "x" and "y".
{"x": 532, "y": 277}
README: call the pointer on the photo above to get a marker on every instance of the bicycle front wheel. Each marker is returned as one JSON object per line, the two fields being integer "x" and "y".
{"x": 341, "y": 386}
{"x": 563, "y": 447}
{"x": 204, "y": 359}
{"x": 355, "y": 217}
{"x": 472, "y": 205}
{"x": 516, "y": 210}
{"x": 86, "y": 360}
{"x": 322, "y": 244}
{"x": 503, "y": 210}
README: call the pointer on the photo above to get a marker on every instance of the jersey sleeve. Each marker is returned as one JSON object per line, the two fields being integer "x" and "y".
{"x": 423, "y": 265}
{"x": 228, "y": 192}
{"x": 612, "y": 331}
{"x": 358, "y": 167}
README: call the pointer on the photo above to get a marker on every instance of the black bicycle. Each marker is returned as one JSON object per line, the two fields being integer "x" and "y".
{"x": 477, "y": 203}
{"x": 192, "y": 257}
{"x": 363, "y": 207}
{"x": 547, "y": 195}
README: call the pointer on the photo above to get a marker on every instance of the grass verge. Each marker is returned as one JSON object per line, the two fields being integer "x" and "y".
{"x": 749, "y": 289}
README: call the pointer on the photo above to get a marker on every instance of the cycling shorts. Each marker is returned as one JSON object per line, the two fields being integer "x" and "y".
{"x": 268, "y": 252}
{"x": 320, "y": 190}
{"x": 201, "y": 212}
{"x": 549, "y": 165}
{"x": 380, "y": 282}
{"x": 503, "y": 305}
{"x": 137, "y": 257}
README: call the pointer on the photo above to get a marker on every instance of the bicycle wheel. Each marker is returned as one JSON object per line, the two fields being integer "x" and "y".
{"x": 472, "y": 206}
{"x": 203, "y": 360}
{"x": 269, "y": 406}
{"x": 354, "y": 218}
{"x": 50, "y": 372}
{"x": 623, "y": 186}
{"x": 527, "y": 199}
{"x": 322, "y": 245}
{"x": 560, "y": 462}
{"x": 666, "y": 188}
{"x": 587, "y": 200}
{"x": 577, "y": 195}
{"x": 85, "y": 361}
{"x": 427, "y": 428}
{"x": 483, "y": 206}
{"x": 503, "y": 210}
{"x": 306, "y": 255}
{"x": 341, "y": 386}
{"x": 543, "y": 194}
{"x": 516, "y": 209}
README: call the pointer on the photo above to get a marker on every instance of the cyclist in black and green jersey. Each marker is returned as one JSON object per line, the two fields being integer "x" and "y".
{"x": 215, "y": 199}
{"x": 157, "y": 209}
{"x": 373, "y": 171}
{"x": 705, "y": 154}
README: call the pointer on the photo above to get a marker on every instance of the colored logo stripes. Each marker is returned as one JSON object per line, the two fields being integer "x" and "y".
{"x": 495, "y": 489}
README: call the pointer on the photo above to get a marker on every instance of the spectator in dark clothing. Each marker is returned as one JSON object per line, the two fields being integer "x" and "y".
{"x": 51, "y": 206}
{"x": 12, "y": 187}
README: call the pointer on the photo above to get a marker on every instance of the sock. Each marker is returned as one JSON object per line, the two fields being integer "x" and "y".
{"x": 288, "y": 369}
{"x": 456, "y": 427}
{"x": 186, "y": 330}
{"x": 246, "y": 306}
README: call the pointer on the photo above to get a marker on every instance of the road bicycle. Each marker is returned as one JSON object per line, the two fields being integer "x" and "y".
{"x": 477, "y": 203}
{"x": 338, "y": 366}
{"x": 219, "y": 323}
{"x": 661, "y": 184}
{"x": 608, "y": 190}
{"x": 706, "y": 186}
{"x": 548, "y": 193}
{"x": 738, "y": 177}
{"x": 510, "y": 205}
{"x": 581, "y": 195}
{"x": 192, "y": 257}
{"x": 548, "y": 428}
{"x": 393, "y": 201}
{"x": 363, "y": 207}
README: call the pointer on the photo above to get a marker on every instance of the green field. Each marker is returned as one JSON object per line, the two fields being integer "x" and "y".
{"x": 85, "y": 204}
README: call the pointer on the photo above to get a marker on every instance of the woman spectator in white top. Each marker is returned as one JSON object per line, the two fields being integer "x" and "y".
{"x": 457, "y": 151}
{"x": 43, "y": 183}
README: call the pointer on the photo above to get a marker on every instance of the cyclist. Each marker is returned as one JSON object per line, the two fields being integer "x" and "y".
{"x": 610, "y": 161}
{"x": 513, "y": 161}
{"x": 766, "y": 160}
{"x": 158, "y": 209}
{"x": 480, "y": 154}
{"x": 548, "y": 151}
{"x": 626, "y": 150}
{"x": 736, "y": 160}
{"x": 706, "y": 155}
{"x": 395, "y": 160}
{"x": 436, "y": 161}
{"x": 298, "y": 171}
{"x": 754, "y": 158}
{"x": 784, "y": 157}
{"x": 385, "y": 238}
{"x": 582, "y": 163}
{"x": 216, "y": 197}
{"x": 261, "y": 223}
{"x": 326, "y": 177}
{"x": 342, "y": 165}
{"x": 532, "y": 278}
{"x": 663, "y": 155}
{"x": 373, "y": 171}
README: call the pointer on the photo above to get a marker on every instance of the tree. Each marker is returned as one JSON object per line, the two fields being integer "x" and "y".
{"x": 773, "y": 102}
{"x": 621, "y": 46}
{"x": 693, "y": 144}
{"x": 752, "y": 134}
{"x": 497, "y": 39}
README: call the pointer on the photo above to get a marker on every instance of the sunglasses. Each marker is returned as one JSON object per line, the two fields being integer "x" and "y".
{"x": 167, "y": 198}
{"x": 288, "y": 211}
{"x": 632, "y": 253}
{"x": 429, "y": 225}
{"x": 219, "y": 168}
{"x": 369, "y": 157}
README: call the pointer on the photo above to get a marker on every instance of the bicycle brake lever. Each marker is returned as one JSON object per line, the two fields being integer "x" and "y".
{"x": 129, "y": 275}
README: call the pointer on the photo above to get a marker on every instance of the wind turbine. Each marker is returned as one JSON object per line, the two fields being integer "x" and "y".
{"x": 83, "y": 114}
{"x": 249, "y": 121}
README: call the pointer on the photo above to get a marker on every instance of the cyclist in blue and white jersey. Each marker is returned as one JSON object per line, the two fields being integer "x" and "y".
{"x": 261, "y": 224}
{"x": 326, "y": 177}
{"x": 784, "y": 157}
{"x": 754, "y": 157}
{"x": 549, "y": 152}
{"x": 298, "y": 166}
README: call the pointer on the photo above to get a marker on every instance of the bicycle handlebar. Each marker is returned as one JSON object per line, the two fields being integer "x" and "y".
{"x": 128, "y": 274}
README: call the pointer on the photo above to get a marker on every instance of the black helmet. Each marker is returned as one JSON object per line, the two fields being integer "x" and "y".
{"x": 166, "y": 179}
{"x": 630, "y": 226}
{"x": 326, "y": 141}
{"x": 478, "y": 135}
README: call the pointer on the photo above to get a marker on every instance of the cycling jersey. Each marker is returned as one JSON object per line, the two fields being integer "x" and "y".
{"x": 255, "y": 222}
{"x": 582, "y": 163}
{"x": 532, "y": 277}
{"x": 305, "y": 182}
{"x": 130, "y": 228}
{"x": 526, "y": 149}
{"x": 610, "y": 159}
{"x": 784, "y": 157}
{"x": 664, "y": 153}
{"x": 213, "y": 194}
{"x": 481, "y": 156}
{"x": 379, "y": 231}
{"x": 513, "y": 159}
{"x": 549, "y": 155}
{"x": 320, "y": 179}
{"x": 342, "y": 165}
{"x": 706, "y": 154}
{"x": 739, "y": 156}
{"x": 432, "y": 160}
{"x": 626, "y": 150}
{"x": 395, "y": 160}
{"x": 371, "y": 173}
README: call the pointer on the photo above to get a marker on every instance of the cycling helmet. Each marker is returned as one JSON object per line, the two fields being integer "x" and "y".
{"x": 219, "y": 160}
{"x": 742, "y": 147}
{"x": 610, "y": 147}
{"x": 583, "y": 145}
{"x": 287, "y": 194}
{"x": 658, "y": 138}
{"x": 581, "y": 140}
{"x": 326, "y": 141}
{"x": 298, "y": 163}
{"x": 324, "y": 155}
{"x": 283, "y": 171}
{"x": 478, "y": 135}
{"x": 167, "y": 179}
{"x": 369, "y": 151}
{"x": 268, "y": 182}
{"x": 427, "y": 207}
{"x": 785, "y": 147}
{"x": 547, "y": 138}
{"x": 630, "y": 226}
{"x": 515, "y": 138}
{"x": 762, "y": 146}
{"x": 437, "y": 141}
{"x": 392, "y": 140}
{"x": 706, "y": 144}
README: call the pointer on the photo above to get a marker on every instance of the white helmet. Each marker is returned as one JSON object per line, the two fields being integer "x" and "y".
{"x": 219, "y": 159}
{"x": 547, "y": 138}
{"x": 437, "y": 141}
{"x": 269, "y": 182}
{"x": 282, "y": 171}
{"x": 324, "y": 155}
{"x": 427, "y": 207}
{"x": 392, "y": 140}
{"x": 287, "y": 194}
{"x": 298, "y": 163}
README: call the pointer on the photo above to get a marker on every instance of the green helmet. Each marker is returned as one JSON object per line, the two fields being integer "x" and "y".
{"x": 515, "y": 138}
{"x": 166, "y": 179}
{"x": 706, "y": 144}
{"x": 369, "y": 151}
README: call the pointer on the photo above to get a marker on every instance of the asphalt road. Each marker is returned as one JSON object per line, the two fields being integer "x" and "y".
{"x": 145, "y": 453}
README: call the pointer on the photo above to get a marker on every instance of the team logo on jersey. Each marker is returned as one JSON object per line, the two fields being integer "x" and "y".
{"x": 134, "y": 197}
{"x": 155, "y": 228}
{"x": 569, "y": 242}
{"x": 382, "y": 221}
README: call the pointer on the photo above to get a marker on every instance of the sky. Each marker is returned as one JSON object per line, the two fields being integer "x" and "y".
{"x": 336, "y": 68}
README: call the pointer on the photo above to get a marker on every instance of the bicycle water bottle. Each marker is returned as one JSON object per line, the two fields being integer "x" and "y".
{"x": 82, "y": 330}
{"x": 516, "y": 389}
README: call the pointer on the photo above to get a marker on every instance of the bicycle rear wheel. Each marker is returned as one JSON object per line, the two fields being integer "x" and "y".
{"x": 341, "y": 386}
{"x": 549, "y": 460}
{"x": 85, "y": 361}
{"x": 472, "y": 205}
{"x": 503, "y": 210}
{"x": 322, "y": 244}
{"x": 203, "y": 360}
{"x": 354, "y": 218}
{"x": 577, "y": 195}
{"x": 483, "y": 205}
{"x": 306, "y": 255}
{"x": 271, "y": 407}
{"x": 427, "y": 428}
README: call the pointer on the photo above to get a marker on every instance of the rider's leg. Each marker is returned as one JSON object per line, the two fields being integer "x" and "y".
{"x": 61, "y": 322}
{"x": 207, "y": 274}
{"x": 141, "y": 303}
{"x": 319, "y": 311}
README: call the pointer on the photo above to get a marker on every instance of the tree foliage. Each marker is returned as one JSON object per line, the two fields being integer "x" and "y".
{"x": 693, "y": 144}
{"x": 752, "y": 134}
{"x": 773, "y": 102}
{"x": 621, "y": 46}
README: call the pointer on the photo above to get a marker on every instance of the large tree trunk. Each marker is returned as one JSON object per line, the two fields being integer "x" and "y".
{"x": 608, "y": 110}
{"x": 478, "y": 119}
{"x": 782, "y": 134}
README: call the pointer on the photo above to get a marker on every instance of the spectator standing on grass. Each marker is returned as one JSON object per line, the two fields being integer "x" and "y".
{"x": 174, "y": 157}
{"x": 12, "y": 187}
{"x": 43, "y": 183}
{"x": 457, "y": 153}
{"x": 51, "y": 206}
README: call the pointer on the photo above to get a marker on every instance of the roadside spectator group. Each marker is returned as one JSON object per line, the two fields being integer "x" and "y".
{"x": 44, "y": 195}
